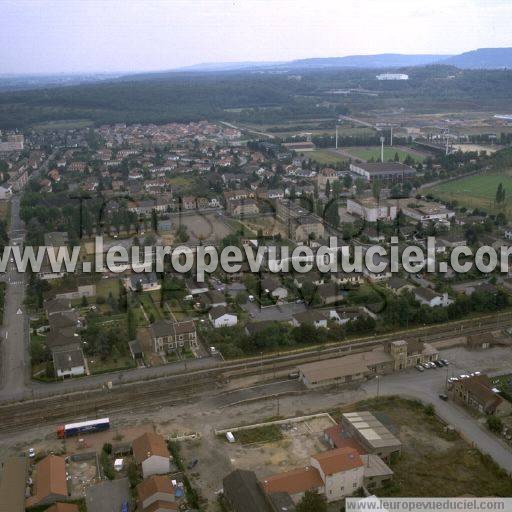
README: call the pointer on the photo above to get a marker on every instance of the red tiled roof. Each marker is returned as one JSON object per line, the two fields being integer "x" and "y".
{"x": 147, "y": 445}
{"x": 293, "y": 482}
{"x": 336, "y": 461}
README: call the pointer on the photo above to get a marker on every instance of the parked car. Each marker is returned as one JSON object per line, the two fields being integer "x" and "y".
{"x": 444, "y": 397}
{"x": 31, "y": 453}
{"x": 419, "y": 368}
{"x": 438, "y": 364}
{"x": 425, "y": 365}
{"x": 445, "y": 362}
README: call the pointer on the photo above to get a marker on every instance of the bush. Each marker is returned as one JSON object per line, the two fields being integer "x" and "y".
{"x": 495, "y": 424}
{"x": 430, "y": 410}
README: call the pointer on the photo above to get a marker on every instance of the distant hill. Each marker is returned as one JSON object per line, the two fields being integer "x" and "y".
{"x": 383, "y": 60}
{"x": 483, "y": 58}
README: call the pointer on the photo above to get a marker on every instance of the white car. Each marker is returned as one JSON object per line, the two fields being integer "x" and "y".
{"x": 31, "y": 453}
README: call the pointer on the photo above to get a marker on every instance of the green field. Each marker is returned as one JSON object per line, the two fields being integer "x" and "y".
{"x": 476, "y": 191}
{"x": 325, "y": 157}
{"x": 366, "y": 153}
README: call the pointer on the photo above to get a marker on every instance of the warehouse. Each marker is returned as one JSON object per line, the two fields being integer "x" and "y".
{"x": 373, "y": 436}
{"x": 343, "y": 370}
{"x": 386, "y": 171}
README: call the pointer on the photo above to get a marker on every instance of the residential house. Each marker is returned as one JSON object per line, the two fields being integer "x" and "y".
{"x": 344, "y": 315}
{"x": 313, "y": 316}
{"x": 222, "y": 316}
{"x": 167, "y": 336}
{"x": 157, "y": 491}
{"x": 195, "y": 288}
{"x": 188, "y": 202}
{"x": 273, "y": 287}
{"x": 398, "y": 285}
{"x": 50, "y": 483}
{"x": 327, "y": 174}
{"x": 143, "y": 281}
{"x": 212, "y": 299}
{"x": 328, "y": 293}
{"x": 151, "y": 453}
{"x": 477, "y": 392}
{"x": 429, "y": 297}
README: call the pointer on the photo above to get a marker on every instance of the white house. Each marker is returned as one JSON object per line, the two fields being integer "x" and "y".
{"x": 313, "y": 316}
{"x": 5, "y": 192}
{"x": 68, "y": 362}
{"x": 341, "y": 470}
{"x": 431, "y": 298}
{"x": 221, "y": 316}
{"x": 151, "y": 452}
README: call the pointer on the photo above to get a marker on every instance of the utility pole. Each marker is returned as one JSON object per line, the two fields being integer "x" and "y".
{"x": 336, "y": 136}
{"x": 391, "y": 138}
{"x": 382, "y": 149}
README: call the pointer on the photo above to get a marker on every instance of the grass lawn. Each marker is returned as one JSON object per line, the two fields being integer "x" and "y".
{"x": 112, "y": 363}
{"x": 476, "y": 191}
{"x": 323, "y": 156}
{"x": 180, "y": 181}
{"x": 366, "y": 153}
{"x": 150, "y": 306}
{"x": 265, "y": 434}
{"x": 105, "y": 286}
{"x": 434, "y": 462}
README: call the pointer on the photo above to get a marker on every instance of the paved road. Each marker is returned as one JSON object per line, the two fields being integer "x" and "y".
{"x": 14, "y": 350}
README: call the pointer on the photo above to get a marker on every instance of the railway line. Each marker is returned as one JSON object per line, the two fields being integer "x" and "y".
{"x": 185, "y": 386}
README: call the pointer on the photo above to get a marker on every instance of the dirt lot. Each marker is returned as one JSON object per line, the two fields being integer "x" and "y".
{"x": 205, "y": 227}
{"x": 217, "y": 457}
{"x": 83, "y": 474}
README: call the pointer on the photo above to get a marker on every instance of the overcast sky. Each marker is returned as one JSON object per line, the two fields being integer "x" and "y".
{"x": 50, "y": 36}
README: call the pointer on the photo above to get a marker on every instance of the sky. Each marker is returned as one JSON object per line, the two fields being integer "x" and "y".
{"x": 75, "y": 36}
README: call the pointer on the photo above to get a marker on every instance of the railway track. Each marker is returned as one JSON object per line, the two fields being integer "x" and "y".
{"x": 183, "y": 387}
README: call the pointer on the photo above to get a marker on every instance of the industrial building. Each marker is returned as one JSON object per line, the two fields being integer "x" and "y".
{"x": 371, "y": 434}
{"x": 386, "y": 171}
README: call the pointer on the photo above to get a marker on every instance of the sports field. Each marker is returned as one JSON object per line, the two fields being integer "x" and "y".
{"x": 324, "y": 157}
{"x": 367, "y": 153}
{"x": 476, "y": 191}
